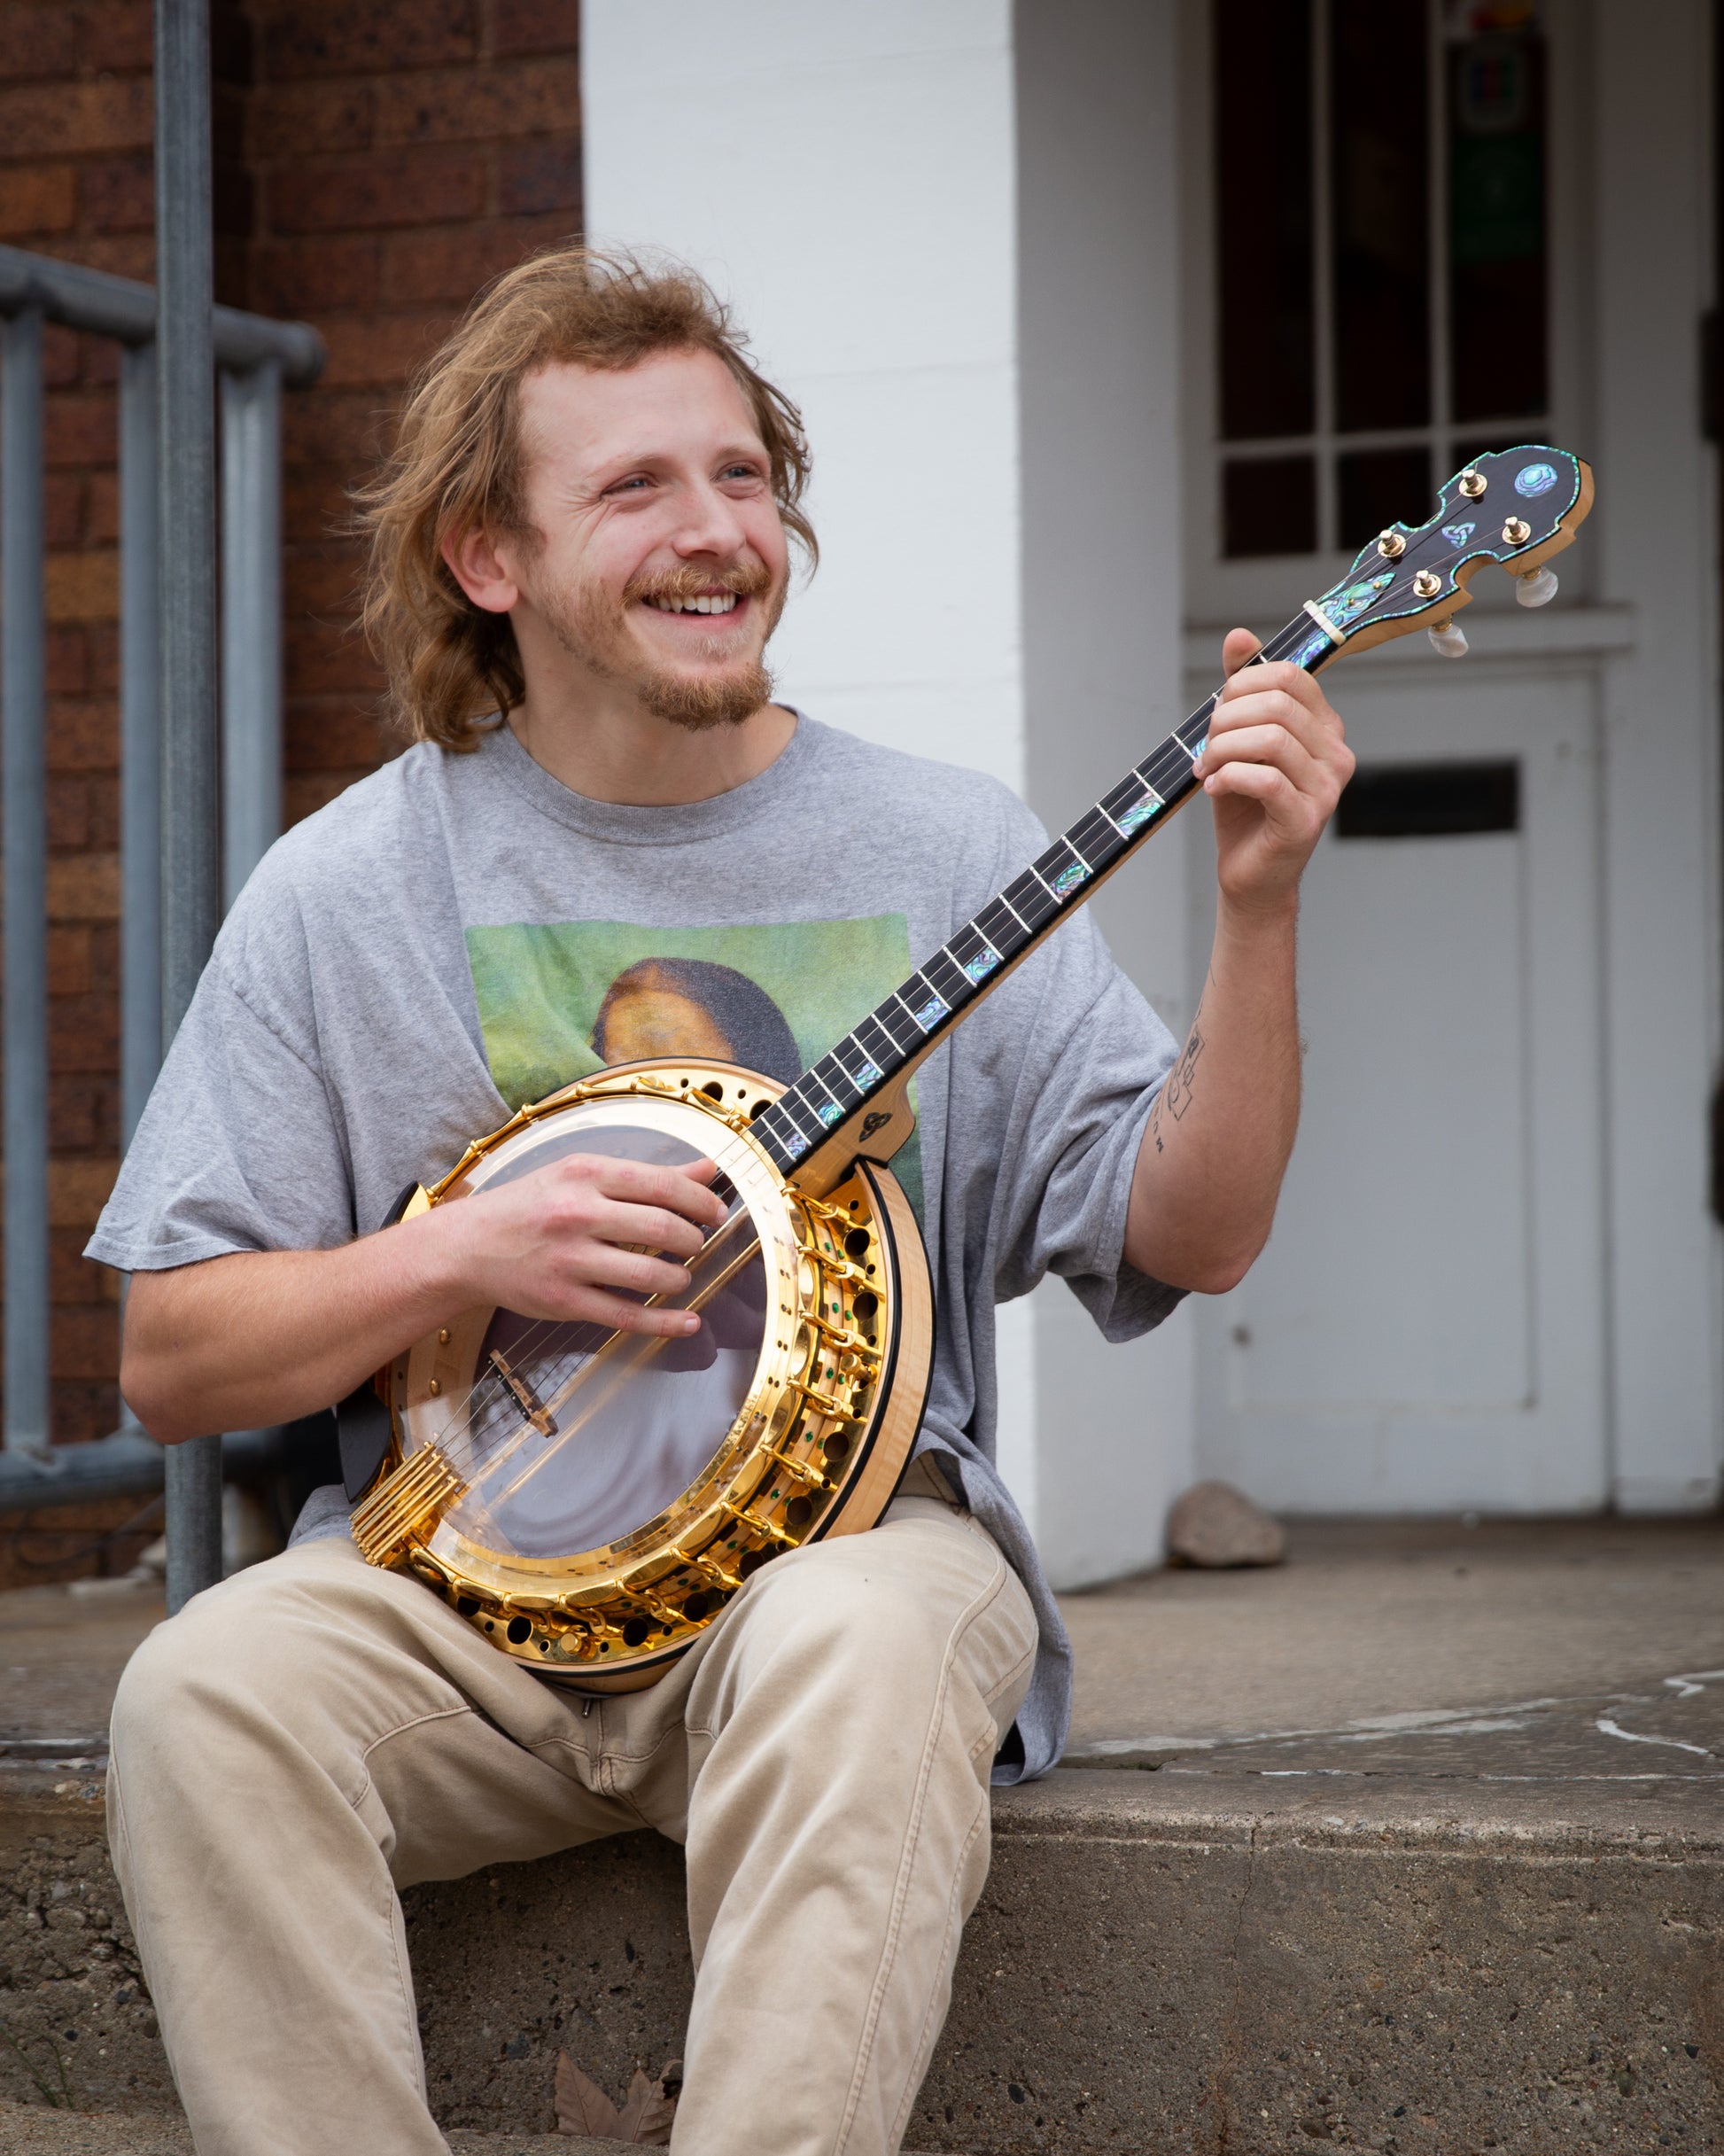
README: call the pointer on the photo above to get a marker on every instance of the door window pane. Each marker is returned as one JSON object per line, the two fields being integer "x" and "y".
{"x": 1270, "y": 505}
{"x": 1379, "y": 160}
{"x": 1382, "y": 486}
{"x": 1496, "y": 220}
{"x": 1262, "y": 132}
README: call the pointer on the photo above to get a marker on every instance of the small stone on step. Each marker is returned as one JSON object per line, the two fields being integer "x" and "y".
{"x": 1216, "y": 1524}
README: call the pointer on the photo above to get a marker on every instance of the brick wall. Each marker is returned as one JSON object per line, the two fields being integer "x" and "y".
{"x": 401, "y": 153}
{"x": 376, "y": 161}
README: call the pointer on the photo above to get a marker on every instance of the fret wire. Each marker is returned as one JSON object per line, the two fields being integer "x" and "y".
{"x": 813, "y": 1075}
{"x": 1021, "y": 899}
{"x": 1005, "y": 905}
{"x": 833, "y": 1074}
{"x": 943, "y": 957}
{"x": 928, "y": 997}
{"x": 1098, "y": 849}
{"x": 800, "y": 1113}
{"x": 870, "y": 1064}
{"x": 1125, "y": 796}
{"x": 886, "y": 1016}
{"x": 886, "y": 1060}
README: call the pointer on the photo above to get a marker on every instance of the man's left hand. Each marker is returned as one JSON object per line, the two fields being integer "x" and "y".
{"x": 1274, "y": 766}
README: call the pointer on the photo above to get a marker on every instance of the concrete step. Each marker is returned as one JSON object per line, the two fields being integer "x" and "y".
{"x": 36, "y": 2129}
{"x": 1456, "y": 1919}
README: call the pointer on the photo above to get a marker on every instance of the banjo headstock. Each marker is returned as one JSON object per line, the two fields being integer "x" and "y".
{"x": 1516, "y": 507}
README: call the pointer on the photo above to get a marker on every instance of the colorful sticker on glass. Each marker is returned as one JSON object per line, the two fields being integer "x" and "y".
{"x": 1535, "y": 479}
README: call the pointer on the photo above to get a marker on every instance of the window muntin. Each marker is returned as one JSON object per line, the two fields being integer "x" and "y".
{"x": 1381, "y": 240}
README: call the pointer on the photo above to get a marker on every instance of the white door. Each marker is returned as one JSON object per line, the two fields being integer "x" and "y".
{"x": 1429, "y": 1328}
{"x": 1426, "y": 1328}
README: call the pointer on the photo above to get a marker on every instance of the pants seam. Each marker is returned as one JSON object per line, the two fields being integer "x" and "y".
{"x": 440, "y": 1713}
{"x": 926, "y": 2041}
{"x": 913, "y": 1833}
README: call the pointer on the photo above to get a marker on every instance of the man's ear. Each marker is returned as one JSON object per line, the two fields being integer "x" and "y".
{"x": 476, "y": 566}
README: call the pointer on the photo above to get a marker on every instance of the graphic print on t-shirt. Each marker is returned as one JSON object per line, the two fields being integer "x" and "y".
{"x": 559, "y": 1001}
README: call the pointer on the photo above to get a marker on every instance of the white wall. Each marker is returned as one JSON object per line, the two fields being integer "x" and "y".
{"x": 845, "y": 176}
{"x": 952, "y": 236}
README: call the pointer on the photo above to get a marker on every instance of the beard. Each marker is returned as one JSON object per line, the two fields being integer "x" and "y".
{"x": 593, "y": 628}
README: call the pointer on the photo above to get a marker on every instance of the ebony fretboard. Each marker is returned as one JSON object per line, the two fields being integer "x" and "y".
{"x": 1056, "y": 883}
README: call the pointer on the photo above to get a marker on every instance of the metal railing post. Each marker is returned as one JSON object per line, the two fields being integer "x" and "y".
{"x": 191, "y": 801}
{"x": 251, "y": 619}
{"x": 140, "y": 740}
{"x": 24, "y": 835}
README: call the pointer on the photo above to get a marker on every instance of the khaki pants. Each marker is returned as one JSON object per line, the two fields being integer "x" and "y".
{"x": 313, "y": 1735}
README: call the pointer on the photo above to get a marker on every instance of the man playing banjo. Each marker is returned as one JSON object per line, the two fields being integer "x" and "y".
{"x": 588, "y": 528}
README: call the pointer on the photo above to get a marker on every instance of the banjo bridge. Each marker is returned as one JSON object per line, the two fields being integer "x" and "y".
{"x": 523, "y": 1396}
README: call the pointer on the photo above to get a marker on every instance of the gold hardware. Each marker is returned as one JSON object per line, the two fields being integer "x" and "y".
{"x": 405, "y": 1507}
{"x": 762, "y": 1528}
{"x": 1473, "y": 483}
{"x": 436, "y": 1387}
{"x": 1427, "y": 584}
{"x": 442, "y": 1335}
{"x": 707, "y": 1566}
{"x": 1517, "y": 531}
{"x": 1391, "y": 545}
{"x": 800, "y": 1468}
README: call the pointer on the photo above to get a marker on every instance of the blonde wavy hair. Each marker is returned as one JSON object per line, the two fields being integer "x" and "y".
{"x": 457, "y": 464}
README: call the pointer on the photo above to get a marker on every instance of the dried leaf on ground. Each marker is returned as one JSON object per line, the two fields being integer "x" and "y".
{"x": 647, "y": 2114}
{"x": 583, "y": 2107}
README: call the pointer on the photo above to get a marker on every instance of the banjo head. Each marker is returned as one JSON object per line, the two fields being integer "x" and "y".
{"x": 591, "y": 1500}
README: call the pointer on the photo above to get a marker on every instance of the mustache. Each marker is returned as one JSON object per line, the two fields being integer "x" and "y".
{"x": 746, "y": 580}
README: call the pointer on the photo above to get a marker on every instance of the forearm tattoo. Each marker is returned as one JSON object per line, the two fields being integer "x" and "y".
{"x": 1175, "y": 1094}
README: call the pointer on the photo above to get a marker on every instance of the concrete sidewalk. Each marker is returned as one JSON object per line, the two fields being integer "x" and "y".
{"x": 1415, "y": 1843}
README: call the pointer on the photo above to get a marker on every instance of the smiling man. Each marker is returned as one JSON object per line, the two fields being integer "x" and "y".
{"x": 580, "y": 549}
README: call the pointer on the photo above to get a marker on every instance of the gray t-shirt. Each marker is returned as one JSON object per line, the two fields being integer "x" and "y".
{"x": 456, "y": 935}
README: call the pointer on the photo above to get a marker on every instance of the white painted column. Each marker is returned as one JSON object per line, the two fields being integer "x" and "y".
{"x": 958, "y": 257}
{"x": 1100, "y": 392}
{"x": 1652, "y": 131}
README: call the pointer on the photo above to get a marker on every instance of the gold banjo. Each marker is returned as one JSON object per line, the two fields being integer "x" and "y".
{"x": 590, "y": 1501}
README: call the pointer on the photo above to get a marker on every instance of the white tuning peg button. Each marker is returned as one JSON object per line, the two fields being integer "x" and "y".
{"x": 1446, "y": 640}
{"x": 1537, "y": 587}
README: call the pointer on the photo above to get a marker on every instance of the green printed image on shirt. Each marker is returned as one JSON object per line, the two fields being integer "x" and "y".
{"x": 561, "y": 1001}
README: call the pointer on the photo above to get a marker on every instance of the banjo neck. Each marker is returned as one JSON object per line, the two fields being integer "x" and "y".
{"x": 853, "y": 1104}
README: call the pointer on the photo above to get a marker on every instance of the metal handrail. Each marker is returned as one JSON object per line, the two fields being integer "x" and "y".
{"x": 255, "y": 357}
{"x": 122, "y": 308}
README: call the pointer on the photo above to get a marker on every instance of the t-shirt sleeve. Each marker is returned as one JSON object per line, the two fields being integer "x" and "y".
{"x": 1086, "y": 1056}
{"x": 239, "y": 1148}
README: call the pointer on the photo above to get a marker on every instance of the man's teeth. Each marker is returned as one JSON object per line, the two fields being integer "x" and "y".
{"x": 716, "y": 603}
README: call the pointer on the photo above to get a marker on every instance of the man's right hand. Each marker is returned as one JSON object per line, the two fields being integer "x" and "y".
{"x": 266, "y": 1336}
{"x": 558, "y": 1242}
